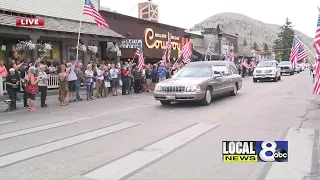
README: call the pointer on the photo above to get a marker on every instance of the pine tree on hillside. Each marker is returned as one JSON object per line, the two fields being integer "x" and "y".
{"x": 285, "y": 38}
{"x": 245, "y": 42}
{"x": 265, "y": 47}
{"x": 255, "y": 46}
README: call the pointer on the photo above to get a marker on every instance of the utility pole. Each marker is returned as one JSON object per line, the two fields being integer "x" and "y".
{"x": 219, "y": 32}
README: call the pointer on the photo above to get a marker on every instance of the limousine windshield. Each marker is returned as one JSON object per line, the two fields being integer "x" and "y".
{"x": 188, "y": 72}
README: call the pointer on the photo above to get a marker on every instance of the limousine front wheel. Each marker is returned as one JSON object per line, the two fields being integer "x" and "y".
{"x": 234, "y": 92}
{"x": 207, "y": 97}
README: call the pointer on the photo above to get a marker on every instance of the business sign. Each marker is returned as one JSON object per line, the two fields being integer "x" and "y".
{"x": 131, "y": 44}
{"x": 159, "y": 41}
{"x": 29, "y": 22}
{"x": 255, "y": 151}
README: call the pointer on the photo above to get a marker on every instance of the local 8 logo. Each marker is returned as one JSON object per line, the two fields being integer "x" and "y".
{"x": 270, "y": 153}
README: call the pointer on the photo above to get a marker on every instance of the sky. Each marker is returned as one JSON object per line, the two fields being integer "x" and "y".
{"x": 185, "y": 14}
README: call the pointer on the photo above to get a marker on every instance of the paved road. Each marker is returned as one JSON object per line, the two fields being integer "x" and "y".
{"x": 137, "y": 138}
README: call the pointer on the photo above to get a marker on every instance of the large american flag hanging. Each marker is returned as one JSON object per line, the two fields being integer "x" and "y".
{"x": 316, "y": 45}
{"x": 187, "y": 52}
{"x": 139, "y": 54}
{"x": 302, "y": 53}
{"x": 298, "y": 52}
{"x": 90, "y": 10}
{"x": 296, "y": 44}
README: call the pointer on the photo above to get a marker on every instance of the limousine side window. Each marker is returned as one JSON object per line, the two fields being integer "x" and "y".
{"x": 225, "y": 71}
{"x": 234, "y": 70}
{"x": 216, "y": 72}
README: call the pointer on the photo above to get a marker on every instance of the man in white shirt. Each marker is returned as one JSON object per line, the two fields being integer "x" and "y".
{"x": 100, "y": 79}
{"x": 114, "y": 74}
{"x": 72, "y": 77}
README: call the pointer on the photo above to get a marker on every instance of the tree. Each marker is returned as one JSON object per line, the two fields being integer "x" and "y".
{"x": 265, "y": 47}
{"x": 245, "y": 42}
{"x": 255, "y": 46}
{"x": 285, "y": 38}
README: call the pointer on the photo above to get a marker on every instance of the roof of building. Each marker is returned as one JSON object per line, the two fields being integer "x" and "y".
{"x": 63, "y": 25}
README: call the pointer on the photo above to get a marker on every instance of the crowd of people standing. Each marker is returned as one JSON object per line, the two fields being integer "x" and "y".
{"x": 106, "y": 78}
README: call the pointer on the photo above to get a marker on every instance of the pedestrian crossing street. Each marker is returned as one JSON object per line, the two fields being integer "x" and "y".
{"x": 143, "y": 150}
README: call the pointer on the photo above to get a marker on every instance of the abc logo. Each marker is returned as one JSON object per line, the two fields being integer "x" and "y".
{"x": 269, "y": 152}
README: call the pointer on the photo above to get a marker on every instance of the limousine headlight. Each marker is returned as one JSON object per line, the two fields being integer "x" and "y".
{"x": 157, "y": 88}
{"x": 193, "y": 89}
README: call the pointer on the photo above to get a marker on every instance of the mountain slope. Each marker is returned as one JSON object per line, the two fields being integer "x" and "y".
{"x": 247, "y": 28}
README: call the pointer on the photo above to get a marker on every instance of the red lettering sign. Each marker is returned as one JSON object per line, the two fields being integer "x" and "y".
{"x": 29, "y": 22}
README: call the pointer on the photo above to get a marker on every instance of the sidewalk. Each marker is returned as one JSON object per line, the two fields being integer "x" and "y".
{"x": 51, "y": 94}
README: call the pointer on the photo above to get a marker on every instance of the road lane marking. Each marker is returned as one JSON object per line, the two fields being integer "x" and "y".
{"x": 300, "y": 150}
{"x": 58, "y": 124}
{"x": 6, "y": 122}
{"x": 60, "y": 144}
{"x": 136, "y": 160}
{"x": 34, "y": 129}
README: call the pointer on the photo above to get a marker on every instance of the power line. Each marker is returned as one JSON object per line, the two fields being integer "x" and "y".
{"x": 132, "y": 9}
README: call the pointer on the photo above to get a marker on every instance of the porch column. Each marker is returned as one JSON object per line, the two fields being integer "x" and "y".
{"x": 34, "y": 39}
{"x": 86, "y": 57}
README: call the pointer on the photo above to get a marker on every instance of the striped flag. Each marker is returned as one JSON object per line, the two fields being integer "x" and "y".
{"x": 90, "y": 10}
{"x": 316, "y": 45}
{"x": 302, "y": 53}
{"x": 169, "y": 47}
{"x": 295, "y": 62}
{"x": 139, "y": 54}
{"x": 187, "y": 52}
{"x": 298, "y": 50}
{"x": 164, "y": 58}
{"x": 245, "y": 64}
{"x": 296, "y": 44}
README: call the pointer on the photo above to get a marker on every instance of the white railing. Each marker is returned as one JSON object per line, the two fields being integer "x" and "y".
{"x": 1, "y": 86}
{"x": 53, "y": 81}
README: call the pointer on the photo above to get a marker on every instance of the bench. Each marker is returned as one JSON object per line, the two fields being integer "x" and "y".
{"x": 8, "y": 102}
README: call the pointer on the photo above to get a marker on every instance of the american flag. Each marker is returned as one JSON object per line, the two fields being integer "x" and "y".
{"x": 164, "y": 57}
{"x": 295, "y": 62}
{"x": 302, "y": 53}
{"x": 90, "y": 10}
{"x": 186, "y": 52}
{"x": 169, "y": 47}
{"x": 296, "y": 44}
{"x": 139, "y": 54}
{"x": 245, "y": 64}
{"x": 316, "y": 45}
{"x": 232, "y": 56}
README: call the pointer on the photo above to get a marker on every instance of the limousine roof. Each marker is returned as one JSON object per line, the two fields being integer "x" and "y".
{"x": 210, "y": 63}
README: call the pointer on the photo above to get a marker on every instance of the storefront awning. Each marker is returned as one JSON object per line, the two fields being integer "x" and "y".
{"x": 63, "y": 25}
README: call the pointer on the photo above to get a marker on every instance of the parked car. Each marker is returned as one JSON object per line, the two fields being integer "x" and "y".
{"x": 301, "y": 67}
{"x": 297, "y": 69}
{"x": 199, "y": 81}
{"x": 286, "y": 67}
{"x": 267, "y": 70}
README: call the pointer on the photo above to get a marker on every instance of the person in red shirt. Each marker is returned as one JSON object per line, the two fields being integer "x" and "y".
{"x": 125, "y": 81}
{"x": 31, "y": 88}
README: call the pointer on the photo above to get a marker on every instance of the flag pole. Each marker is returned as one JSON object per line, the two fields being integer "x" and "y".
{"x": 305, "y": 46}
{"x": 78, "y": 42}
